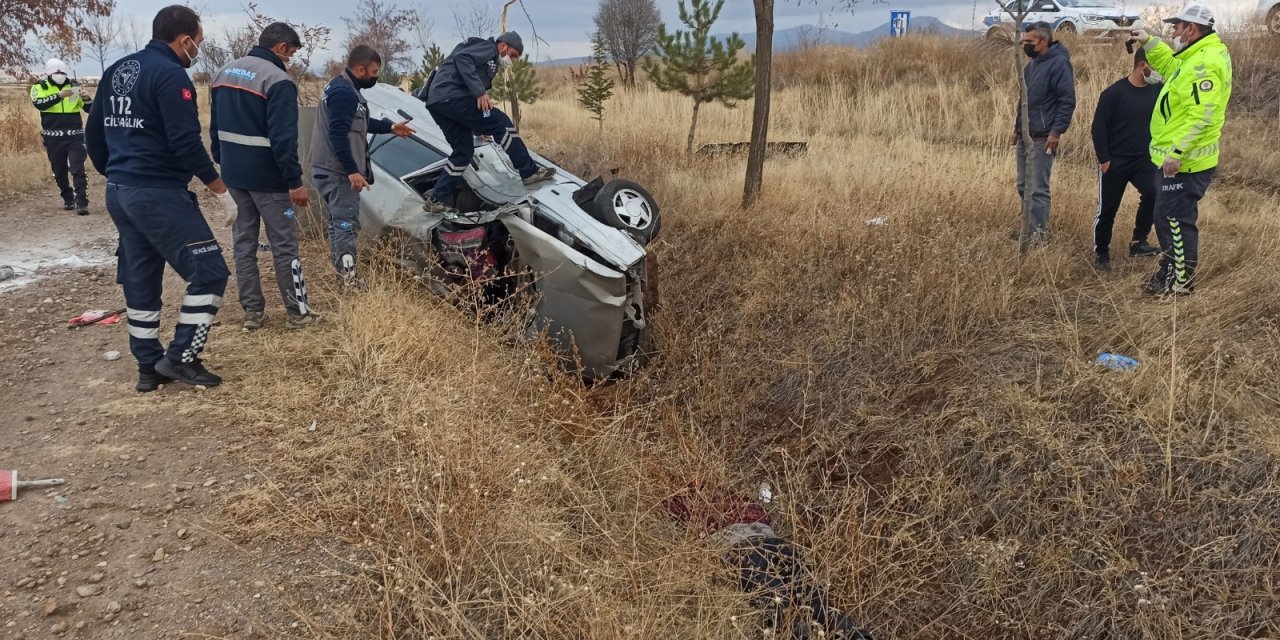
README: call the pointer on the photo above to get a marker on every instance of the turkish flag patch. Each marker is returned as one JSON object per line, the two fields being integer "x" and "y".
{"x": 187, "y": 95}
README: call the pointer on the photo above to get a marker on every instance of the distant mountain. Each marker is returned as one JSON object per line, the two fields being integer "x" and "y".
{"x": 809, "y": 35}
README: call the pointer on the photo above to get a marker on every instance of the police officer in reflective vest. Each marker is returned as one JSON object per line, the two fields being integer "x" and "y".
{"x": 144, "y": 135}
{"x": 60, "y": 101}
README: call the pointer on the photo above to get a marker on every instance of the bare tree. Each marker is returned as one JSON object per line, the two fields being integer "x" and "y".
{"x": 382, "y": 26}
{"x": 629, "y": 29}
{"x": 101, "y": 33}
{"x": 474, "y": 20}
{"x": 59, "y": 24}
{"x": 424, "y": 27}
{"x": 135, "y": 36}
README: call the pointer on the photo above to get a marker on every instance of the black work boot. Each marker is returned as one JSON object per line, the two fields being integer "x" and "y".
{"x": 192, "y": 373}
{"x": 1102, "y": 262}
{"x": 68, "y": 205}
{"x": 1140, "y": 249}
{"x": 149, "y": 380}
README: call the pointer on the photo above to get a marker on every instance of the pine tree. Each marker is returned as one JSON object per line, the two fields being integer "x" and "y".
{"x": 596, "y": 86}
{"x": 432, "y": 59}
{"x": 517, "y": 84}
{"x": 696, "y": 65}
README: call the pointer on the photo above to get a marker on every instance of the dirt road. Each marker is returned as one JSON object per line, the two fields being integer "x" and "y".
{"x": 130, "y": 547}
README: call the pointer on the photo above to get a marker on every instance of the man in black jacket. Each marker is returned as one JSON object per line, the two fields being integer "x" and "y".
{"x": 253, "y": 126}
{"x": 1121, "y": 139}
{"x": 1051, "y": 91}
{"x": 457, "y": 96}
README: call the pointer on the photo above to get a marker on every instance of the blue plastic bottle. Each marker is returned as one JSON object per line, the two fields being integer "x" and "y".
{"x": 1117, "y": 361}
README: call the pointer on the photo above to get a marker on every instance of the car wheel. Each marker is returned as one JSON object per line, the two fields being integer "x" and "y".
{"x": 1273, "y": 20}
{"x": 625, "y": 205}
{"x": 1066, "y": 30}
{"x": 999, "y": 33}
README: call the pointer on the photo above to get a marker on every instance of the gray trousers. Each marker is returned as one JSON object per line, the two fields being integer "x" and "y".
{"x": 257, "y": 209}
{"x": 1040, "y": 198}
{"x": 342, "y": 208}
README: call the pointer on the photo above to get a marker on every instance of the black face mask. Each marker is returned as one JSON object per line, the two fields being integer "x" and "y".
{"x": 366, "y": 83}
{"x": 1030, "y": 50}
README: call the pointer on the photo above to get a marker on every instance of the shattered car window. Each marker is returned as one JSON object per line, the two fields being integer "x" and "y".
{"x": 402, "y": 156}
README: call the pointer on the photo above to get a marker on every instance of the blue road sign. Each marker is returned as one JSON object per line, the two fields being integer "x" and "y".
{"x": 899, "y": 23}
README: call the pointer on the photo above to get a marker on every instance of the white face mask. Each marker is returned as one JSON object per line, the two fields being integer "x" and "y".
{"x": 504, "y": 62}
{"x": 58, "y": 78}
{"x": 1153, "y": 77}
{"x": 1178, "y": 44}
{"x": 192, "y": 56}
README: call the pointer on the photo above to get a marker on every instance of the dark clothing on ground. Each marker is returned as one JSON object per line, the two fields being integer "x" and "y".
{"x": 784, "y": 590}
{"x": 159, "y": 226}
{"x": 1124, "y": 171}
{"x": 1178, "y": 204}
{"x": 253, "y": 124}
{"x": 1122, "y": 121}
{"x": 1051, "y": 91}
{"x": 145, "y": 132}
{"x": 66, "y": 159}
{"x": 274, "y": 211}
{"x": 466, "y": 74}
{"x": 461, "y": 120}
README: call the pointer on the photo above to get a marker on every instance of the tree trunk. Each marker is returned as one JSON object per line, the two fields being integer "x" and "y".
{"x": 515, "y": 109}
{"x": 1033, "y": 159}
{"x": 760, "y": 119}
{"x": 693, "y": 127}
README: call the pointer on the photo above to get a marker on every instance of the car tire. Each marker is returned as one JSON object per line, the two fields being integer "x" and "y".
{"x": 1273, "y": 20}
{"x": 625, "y": 205}
{"x": 1066, "y": 30}
{"x": 999, "y": 33}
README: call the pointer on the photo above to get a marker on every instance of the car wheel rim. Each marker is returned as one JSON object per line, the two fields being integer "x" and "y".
{"x": 632, "y": 209}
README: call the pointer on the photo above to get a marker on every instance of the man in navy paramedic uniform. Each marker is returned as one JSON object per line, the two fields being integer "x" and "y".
{"x": 143, "y": 134}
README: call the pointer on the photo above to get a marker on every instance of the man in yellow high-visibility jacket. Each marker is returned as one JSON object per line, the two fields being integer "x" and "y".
{"x": 60, "y": 102}
{"x": 1185, "y": 129}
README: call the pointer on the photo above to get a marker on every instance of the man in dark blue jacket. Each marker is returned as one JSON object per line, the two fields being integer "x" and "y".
{"x": 457, "y": 97}
{"x": 340, "y": 154}
{"x": 253, "y": 125}
{"x": 1051, "y": 91}
{"x": 144, "y": 135}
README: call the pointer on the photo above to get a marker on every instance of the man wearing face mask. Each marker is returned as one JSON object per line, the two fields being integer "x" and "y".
{"x": 143, "y": 134}
{"x": 59, "y": 100}
{"x": 1051, "y": 91}
{"x": 457, "y": 96}
{"x": 253, "y": 126}
{"x": 1185, "y": 130}
{"x": 1122, "y": 140}
{"x": 340, "y": 154}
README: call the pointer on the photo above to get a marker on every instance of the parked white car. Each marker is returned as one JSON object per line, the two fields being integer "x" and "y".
{"x": 1269, "y": 14}
{"x": 1089, "y": 18}
{"x": 576, "y": 247}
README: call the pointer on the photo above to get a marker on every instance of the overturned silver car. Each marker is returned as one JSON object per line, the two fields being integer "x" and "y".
{"x": 577, "y": 246}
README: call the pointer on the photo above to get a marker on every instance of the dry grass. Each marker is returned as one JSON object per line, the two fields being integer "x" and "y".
{"x": 947, "y": 455}
{"x": 21, "y": 150}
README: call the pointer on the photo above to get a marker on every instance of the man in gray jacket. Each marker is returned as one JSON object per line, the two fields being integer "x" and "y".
{"x": 340, "y": 154}
{"x": 1051, "y": 91}
{"x": 253, "y": 126}
{"x": 457, "y": 96}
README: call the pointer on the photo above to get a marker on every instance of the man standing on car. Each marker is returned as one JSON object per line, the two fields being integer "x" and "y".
{"x": 1122, "y": 140}
{"x": 457, "y": 96}
{"x": 253, "y": 126}
{"x": 144, "y": 135}
{"x": 60, "y": 102}
{"x": 1051, "y": 91}
{"x": 340, "y": 154}
{"x": 1185, "y": 130}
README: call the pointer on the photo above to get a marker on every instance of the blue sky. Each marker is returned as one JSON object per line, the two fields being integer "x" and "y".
{"x": 563, "y": 26}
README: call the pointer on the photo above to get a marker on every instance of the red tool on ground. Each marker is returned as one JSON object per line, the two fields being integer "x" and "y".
{"x": 9, "y": 484}
{"x": 95, "y": 317}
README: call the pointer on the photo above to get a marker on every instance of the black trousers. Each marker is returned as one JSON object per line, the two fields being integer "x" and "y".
{"x": 1177, "y": 226}
{"x": 67, "y": 156}
{"x": 1143, "y": 175}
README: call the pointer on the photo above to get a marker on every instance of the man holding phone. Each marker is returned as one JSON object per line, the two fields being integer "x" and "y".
{"x": 60, "y": 102}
